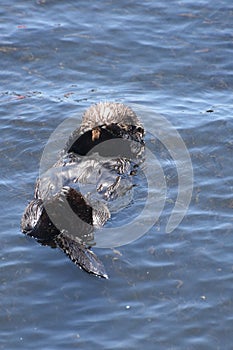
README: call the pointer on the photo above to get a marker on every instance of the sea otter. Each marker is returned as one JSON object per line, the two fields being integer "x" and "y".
{"x": 96, "y": 168}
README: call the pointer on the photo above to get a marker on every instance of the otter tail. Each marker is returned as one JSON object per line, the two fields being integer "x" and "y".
{"x": 80, "y": 255}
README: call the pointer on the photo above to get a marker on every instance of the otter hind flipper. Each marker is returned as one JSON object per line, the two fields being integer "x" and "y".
{"x": 80, "y": 255}
{"x": 31, "y": 216}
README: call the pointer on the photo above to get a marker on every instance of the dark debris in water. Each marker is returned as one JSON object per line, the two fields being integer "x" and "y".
{"x": 12, "y": 95}
{"x": 69, "y": 95}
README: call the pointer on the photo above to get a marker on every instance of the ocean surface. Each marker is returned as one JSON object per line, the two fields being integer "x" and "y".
{"x": 172, "y": 62}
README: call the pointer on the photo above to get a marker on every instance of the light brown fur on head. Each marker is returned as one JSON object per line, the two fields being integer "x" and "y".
{"x": 108, "y": 113}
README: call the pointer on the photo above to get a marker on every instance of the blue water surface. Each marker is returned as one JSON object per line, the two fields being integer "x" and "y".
{"x": 171, "y": 59}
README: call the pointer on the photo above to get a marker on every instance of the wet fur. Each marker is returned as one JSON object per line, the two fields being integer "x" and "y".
{"x": 101, "y": 122}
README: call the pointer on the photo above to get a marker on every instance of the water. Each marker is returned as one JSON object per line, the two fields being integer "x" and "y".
{"x": 166, "y": 290}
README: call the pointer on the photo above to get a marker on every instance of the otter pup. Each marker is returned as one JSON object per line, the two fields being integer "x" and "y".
{"x": 65, "y": 217}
